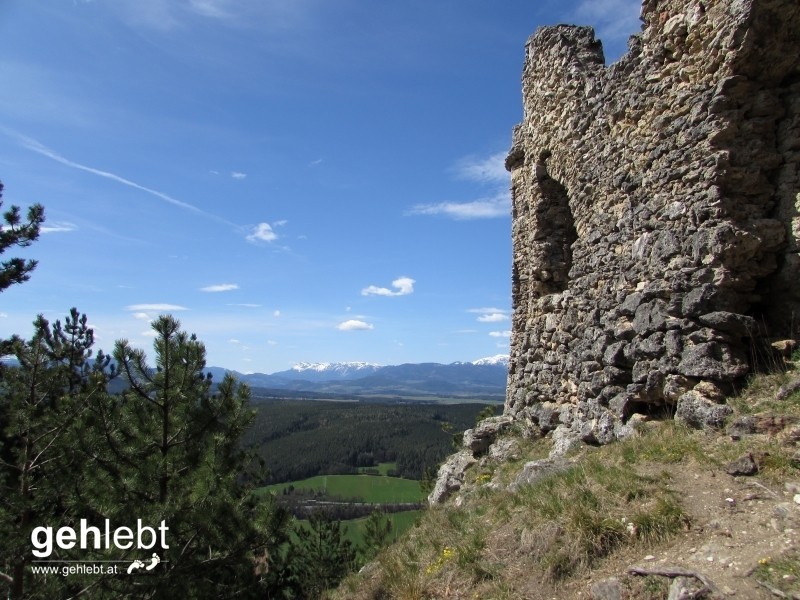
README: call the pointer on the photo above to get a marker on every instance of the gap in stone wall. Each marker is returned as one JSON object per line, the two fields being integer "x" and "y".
{"x": 555, "y": 234}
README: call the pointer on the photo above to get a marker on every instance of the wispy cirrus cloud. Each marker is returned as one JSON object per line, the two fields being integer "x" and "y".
{"x": 402, "y": 287}
{"x": 215, "y": 9}
{"x": 488, "y": 171}
{"x": 156, "y": 307}
{"x": 491, "y": 169}
{"x": 354, "y": 325}
{"x": 238, "y": 175}
{"x": 57, "y": 227}
{"x": 500, "y": 334}
{"x": 220, "y": 287}
{"x": 484, "y": 208}
{"x": 167, "y": 15}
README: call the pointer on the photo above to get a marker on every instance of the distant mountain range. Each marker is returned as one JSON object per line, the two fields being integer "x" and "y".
{"x": 482, "y": 379}
{"x": 485, "y": 377}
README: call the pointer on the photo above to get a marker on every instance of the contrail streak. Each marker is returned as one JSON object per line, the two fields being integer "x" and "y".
{"x": 39, "y": 148}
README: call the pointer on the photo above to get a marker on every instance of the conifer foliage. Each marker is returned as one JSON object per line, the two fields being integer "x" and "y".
{"x": 15, "y": 232}
{"x": 167, "y": 449}
{"x": 42, "y": 402}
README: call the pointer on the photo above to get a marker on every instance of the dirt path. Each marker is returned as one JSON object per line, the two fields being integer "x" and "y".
{"x": 737, "y": 524}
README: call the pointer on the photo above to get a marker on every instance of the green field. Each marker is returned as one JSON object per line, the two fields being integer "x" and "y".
{"x": 382, "y": 468}
{"x": 354, "y": 528}
{"x": 365, "y": 488}
{"x": 401, "y": 522}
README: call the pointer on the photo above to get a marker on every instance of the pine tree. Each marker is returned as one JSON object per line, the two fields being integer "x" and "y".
{"x": 323, "y": 556}
{"x": 168, "y": 449}
{"x": 41, "y": 400}
{"x": 377, "y": 530}
{"x": 15, "y": 232}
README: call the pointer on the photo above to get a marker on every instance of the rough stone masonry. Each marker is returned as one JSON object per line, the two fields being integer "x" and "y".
{"x": 655, "y": 223}
{"x": 655, "y": 215}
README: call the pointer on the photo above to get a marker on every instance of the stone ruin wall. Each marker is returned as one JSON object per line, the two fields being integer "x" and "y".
{"x": 655, "y": 215}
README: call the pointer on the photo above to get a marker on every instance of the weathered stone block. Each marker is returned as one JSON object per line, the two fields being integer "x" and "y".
{"x": 479, "y": 439}
{"x": 697, "y": 411}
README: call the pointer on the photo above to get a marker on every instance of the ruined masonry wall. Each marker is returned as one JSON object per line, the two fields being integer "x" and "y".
{"x": 655, "y": 215}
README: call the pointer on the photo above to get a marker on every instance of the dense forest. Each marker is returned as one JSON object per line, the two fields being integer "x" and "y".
{"x": 299, "y": 439}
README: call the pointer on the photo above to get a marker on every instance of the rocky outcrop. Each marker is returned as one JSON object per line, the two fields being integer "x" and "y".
{"x": 655, "y": 215}
{"x": 476, "y": 442}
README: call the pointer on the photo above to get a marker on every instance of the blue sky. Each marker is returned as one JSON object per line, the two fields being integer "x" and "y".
{"x": 296, "y": 180}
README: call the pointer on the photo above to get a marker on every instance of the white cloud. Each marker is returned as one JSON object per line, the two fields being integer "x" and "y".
{"x": 221, "y": 287}
{"x": 57, "y": 227}
{"x": 500, "y": 334}
{"x": 141, "y": 315}
{"x": 492, "y": 207}
{"x": 245, "y": 305}
{"x": 485, "y": 170}
{"x": 354, "y": 325}
{"x": 485, "y": 310}
{"x": 403, "y": 286}
{"x": 156, "y": 307}
{"x": 262, "y": 233}
{"x": 315, "y": 163}
{"x": 492, "y": 318}
{"x": 234, "y": 341}
{"x": 276, "y": 313}
{"x": 490, "y": 314}
{"x": 238, "y": 175}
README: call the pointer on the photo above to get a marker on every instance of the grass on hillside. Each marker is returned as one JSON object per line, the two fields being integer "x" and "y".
{"x": 497, "y": 542}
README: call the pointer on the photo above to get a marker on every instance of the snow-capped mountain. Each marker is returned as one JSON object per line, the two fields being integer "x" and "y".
{"x": 337, "y": 371}
{"x": 497, "y": 359}
{"x": 485, "y": 377}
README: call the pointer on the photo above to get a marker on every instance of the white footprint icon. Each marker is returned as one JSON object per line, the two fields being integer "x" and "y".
{"x": 135, "y": 566}
{"x": 153, "y": 562}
